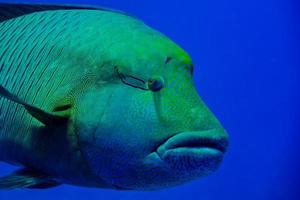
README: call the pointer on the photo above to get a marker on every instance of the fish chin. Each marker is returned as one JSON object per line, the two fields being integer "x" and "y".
{"x": 203, "y": 161}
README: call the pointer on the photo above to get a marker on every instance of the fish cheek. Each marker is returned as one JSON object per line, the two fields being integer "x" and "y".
{"x": 118, "y": 131}
{"x": 120, "y": 138}
{"x": 89, "y": 108}
{"x": 107, "y": 131}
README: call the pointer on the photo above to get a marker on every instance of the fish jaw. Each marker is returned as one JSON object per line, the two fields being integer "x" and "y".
{"x": 199, "y": 151}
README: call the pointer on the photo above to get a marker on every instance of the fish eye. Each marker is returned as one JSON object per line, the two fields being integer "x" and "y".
{"x": 155, "y": 84}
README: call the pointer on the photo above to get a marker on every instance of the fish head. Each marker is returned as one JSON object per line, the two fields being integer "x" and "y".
{"x": 144, "y": 126}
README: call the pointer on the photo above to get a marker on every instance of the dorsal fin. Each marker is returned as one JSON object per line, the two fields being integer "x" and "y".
{"x": 11, "y": 10}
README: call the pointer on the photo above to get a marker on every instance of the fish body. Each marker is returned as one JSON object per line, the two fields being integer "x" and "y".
{"x": 96, "y": 98}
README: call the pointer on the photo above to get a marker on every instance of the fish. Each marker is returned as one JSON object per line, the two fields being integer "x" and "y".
{"x": 95, "y": 97}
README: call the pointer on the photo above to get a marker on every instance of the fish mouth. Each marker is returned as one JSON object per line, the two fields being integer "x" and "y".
{"x": 195, "y": 150}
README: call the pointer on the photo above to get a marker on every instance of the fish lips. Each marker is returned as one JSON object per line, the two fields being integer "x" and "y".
{"x": 195, "y": 150}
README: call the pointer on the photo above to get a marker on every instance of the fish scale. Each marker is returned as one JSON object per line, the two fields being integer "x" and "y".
{"x": 25, "y": 67}
{"x": 18, "y": 59}
{"x": 37, "y": 60}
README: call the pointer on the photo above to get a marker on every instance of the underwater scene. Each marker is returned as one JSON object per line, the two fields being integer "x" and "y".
{"x": 135, "y": 100}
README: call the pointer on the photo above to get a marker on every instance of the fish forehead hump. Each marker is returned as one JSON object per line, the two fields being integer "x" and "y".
{"x": 108, "y": 37}
{"x": 57, "y": 43}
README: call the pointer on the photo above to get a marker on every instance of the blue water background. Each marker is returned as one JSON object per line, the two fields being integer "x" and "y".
{"x": 246, "y": 57}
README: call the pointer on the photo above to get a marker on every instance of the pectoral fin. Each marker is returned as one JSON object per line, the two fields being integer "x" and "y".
{"x": 48, "y": 118}
{"x": 27, "y": 179}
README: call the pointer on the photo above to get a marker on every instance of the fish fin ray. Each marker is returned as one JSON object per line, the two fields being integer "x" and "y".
{"x": 27, "y": 178}
{"x": 14, "y": 10}
{"x": 51, "y": 119}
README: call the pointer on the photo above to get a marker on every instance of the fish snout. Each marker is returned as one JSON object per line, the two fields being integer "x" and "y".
{"x": 215, "y": 138}
{"x": 195, "y": 150}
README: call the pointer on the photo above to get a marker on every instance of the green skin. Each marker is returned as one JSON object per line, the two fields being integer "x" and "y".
{"x": 119, "y": 136}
